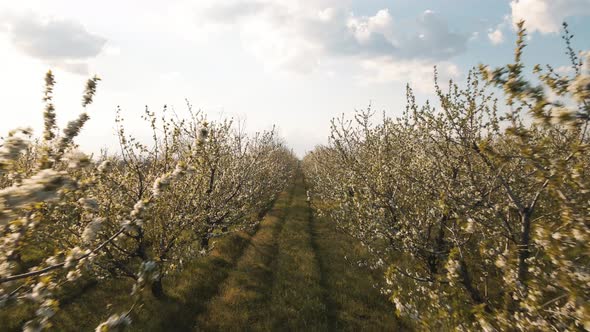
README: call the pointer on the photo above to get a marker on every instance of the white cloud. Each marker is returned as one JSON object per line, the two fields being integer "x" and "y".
{"x": 363, "y": 28}
{"x": 280, "y": 47}
{"x": 565, "y": 70}
{"x": 496, "y": 36}
{"x": 65, "y": 44}
{"x": 326, "y": 14}
{"x": 418, "y": 73}
{"x": 171, "y": 76}
{"x": 292, "y": 36}
{"x": 546, "y": 16}
{"x": 111, "y": 50}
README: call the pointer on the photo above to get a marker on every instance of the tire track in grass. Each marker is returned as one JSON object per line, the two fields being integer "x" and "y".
{"x": 331, "y": 313}
{"x": 243, "y": 298}
{"x": 294, "y": 277}
{"x": 187, "y": 293}
{"x": 352, "y": 301}
{"x": 298, "y": 299}
{"x": 290, "y": 275}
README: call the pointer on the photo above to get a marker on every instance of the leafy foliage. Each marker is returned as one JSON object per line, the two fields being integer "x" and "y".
{"x": 479, "y": 209}
{"x": 140, "y": 214}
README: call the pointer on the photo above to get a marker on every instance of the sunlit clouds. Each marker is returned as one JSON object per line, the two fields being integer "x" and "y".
{"x": 261, "y": 61}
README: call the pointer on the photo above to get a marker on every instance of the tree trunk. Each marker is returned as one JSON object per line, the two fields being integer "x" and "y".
{"x": 524, "y": 249}
{"x": 157, "y": 288}
{"x": 205, "y": 241}
{"x": 467, "y": 282}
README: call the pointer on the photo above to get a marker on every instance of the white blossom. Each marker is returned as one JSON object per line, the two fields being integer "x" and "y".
{"x": 89, "y": 204}
{"x": 77, "y": 159}
{"x": 91, "y": 230}
{"x": 104, "y": 166}
{"x": 114, "y": 323}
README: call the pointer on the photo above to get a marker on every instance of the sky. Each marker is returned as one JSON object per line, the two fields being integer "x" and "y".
{"x": 293, "y": 64}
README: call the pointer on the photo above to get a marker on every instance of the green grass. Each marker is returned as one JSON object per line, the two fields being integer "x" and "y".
{"x": 298, "y": 280}
{"x": 288, "y": 275}
{"x": 298, "y": 298}
{"x": 243, "y": 300}
{"x": 186, "y": 294}
{"x": 354, "y": 304}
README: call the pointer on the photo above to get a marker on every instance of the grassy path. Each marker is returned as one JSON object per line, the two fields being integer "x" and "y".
{"x": 289, "y": 275}
{"x": 294, "y": 277}
{"x": 298, "y": 298}
{"x": 244, "y": 297}
{"x": 353, "y": 301}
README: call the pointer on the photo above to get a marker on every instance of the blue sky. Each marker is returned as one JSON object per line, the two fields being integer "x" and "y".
{"x": 295, "y": 64}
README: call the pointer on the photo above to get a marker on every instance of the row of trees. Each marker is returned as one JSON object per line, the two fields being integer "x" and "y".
{"x": 140, "y": 214}
{"x": 479, "y": 209}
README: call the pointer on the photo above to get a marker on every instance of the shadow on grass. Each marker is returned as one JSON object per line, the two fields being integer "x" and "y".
{"x": 242, "y": 302}
{"x": 289, "y": 274}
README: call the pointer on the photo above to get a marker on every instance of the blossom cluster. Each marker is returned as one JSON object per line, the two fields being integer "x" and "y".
{"x": 480, "y": 211}
{"x": 140, "y": 214}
